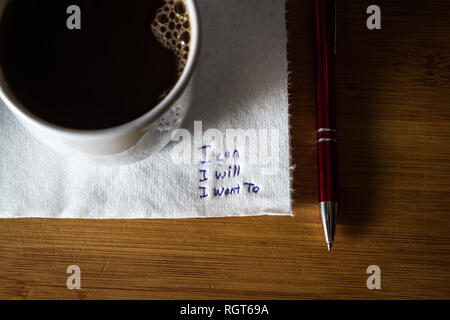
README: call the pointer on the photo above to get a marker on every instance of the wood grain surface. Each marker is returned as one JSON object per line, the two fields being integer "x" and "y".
{"x": 393, "y": 93}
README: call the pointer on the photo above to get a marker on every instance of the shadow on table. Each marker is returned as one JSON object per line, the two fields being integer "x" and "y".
{"x": 360, "y": 71}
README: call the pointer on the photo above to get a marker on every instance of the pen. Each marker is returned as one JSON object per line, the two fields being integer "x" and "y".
{"x": 325, "y": 52}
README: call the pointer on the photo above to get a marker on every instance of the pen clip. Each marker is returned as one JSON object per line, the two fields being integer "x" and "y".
{"x": 334, "y": 24}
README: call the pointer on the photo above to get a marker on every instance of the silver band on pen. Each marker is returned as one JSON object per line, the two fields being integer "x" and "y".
{"x": 326, "y": 140}
{"x": 322, "y": 130}
{"x": 326, "y": 130}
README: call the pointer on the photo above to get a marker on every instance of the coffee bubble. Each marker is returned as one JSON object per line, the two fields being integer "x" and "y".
{"x": 171, "y": 27}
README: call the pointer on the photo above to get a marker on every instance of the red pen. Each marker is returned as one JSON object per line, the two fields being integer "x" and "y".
{"x": 325, "y": 52}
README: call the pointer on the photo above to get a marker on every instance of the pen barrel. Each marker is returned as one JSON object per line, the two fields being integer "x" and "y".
{"x": 325, "y": 53}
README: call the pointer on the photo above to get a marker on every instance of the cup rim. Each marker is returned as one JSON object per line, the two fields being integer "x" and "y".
{"x": 13, "y": 103}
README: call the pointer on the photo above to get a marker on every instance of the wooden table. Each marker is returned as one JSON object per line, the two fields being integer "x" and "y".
{"x": 393, "y": 93}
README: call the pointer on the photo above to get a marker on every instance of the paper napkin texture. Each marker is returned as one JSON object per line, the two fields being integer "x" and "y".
{"x": 241, "y": 84}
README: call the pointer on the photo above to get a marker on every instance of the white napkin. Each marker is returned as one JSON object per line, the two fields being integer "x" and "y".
{"x": 241, "y": 84}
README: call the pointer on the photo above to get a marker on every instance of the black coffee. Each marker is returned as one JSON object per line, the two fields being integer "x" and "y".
{"x": 125, "y": 58}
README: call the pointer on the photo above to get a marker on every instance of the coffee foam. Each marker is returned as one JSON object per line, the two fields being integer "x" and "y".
{"x": 172, "y": 29}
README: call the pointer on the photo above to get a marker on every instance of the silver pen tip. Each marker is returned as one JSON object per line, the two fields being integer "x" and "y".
{"x": 328, "y": 213}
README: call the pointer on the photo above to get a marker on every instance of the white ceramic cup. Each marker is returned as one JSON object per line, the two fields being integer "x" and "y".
{"x": 129, "y": 142}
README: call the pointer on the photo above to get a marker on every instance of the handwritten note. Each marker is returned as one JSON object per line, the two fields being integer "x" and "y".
{"x": 225, "y": 171}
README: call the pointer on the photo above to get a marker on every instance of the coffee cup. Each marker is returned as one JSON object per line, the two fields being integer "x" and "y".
{"x": 120, "y": 142}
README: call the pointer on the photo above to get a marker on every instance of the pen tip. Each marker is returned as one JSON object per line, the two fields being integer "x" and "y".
{"x": 330, "y": 244}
